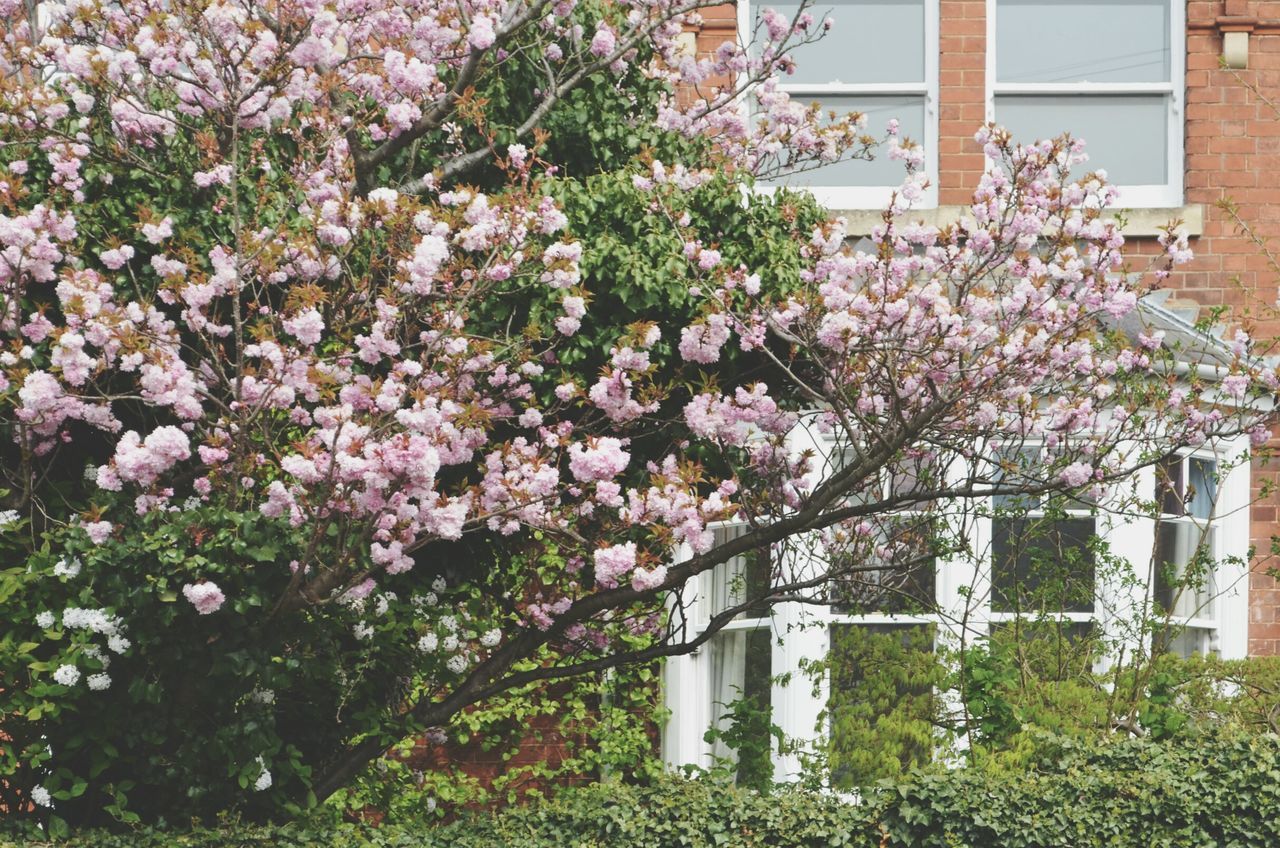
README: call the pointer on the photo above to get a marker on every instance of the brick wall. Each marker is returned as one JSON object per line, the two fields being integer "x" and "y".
{"x": 1233, "y": 151}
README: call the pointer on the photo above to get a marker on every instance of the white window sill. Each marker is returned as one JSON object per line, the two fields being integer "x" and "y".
{"x": 1138, "y": 222}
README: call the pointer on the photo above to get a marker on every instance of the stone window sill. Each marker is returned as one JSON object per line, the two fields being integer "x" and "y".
{"x": 1138, "y": 222}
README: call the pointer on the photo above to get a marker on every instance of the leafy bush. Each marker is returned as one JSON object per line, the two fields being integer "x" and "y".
{"x": 1220, "y": 789}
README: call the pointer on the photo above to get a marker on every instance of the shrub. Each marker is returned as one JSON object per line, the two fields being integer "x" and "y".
{"x": 1218, "y": 789}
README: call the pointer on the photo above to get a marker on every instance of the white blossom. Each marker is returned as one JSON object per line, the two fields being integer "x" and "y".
{"x": 98, "y": 682}
{"x": 118, "y": 644}
{"x": 363, "y": 630}
{"x": 40, "y": 796}
{"x": 438, "y": 585}
{"x": 67, "y": 675}
{"x": 491, "y": 638}
{"x": 7, "y": 517}
{"x": 45, "y": 620}
{"x": 77, "y": 618}
{"x": 264, "y": 779}
{"x": 427, "y": 644}
{"x": 457, "y": 663}
{"x": 62, "y": 568}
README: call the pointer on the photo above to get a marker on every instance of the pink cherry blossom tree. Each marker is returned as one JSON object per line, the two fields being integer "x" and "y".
{"x": 300, "y": 423}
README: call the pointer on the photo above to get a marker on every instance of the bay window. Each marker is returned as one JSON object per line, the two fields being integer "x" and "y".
{"x": 1037, "y": 577}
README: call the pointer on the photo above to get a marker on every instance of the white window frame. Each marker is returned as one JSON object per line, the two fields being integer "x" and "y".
{"x": 838, "y": 197}
{"x": 1166, "y": 195}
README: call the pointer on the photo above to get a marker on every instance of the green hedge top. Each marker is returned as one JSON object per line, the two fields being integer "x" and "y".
{"x": 1216, "y": 790}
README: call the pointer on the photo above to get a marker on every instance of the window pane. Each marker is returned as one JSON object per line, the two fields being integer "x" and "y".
{"x": 1083, "y": 41}
{"x": 1049, "y": 648}
{"x": 881, "y": 171}
{"x": 1170, "y": 486}
{"x": 1126, "y": 134}
{"x": 741, "y": 578}
{"x": 1041, "y": 565}
{"x": 741, "y": 702}
{"x": 1017, "y": 467}
{"x": 881, "y": 708}
{"x": 1183, "y": 641}
{"x": 873, "y": 41}
{"x": 1202, "y": 487}
{"x": 1184, "y": 585}
{"x": 901, "y": 583}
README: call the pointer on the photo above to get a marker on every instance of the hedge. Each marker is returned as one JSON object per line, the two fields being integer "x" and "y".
{"x": 1221, "y": 790}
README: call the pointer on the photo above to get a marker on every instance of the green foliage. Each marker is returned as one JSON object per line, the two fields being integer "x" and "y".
{"x": 1202, "y": 691}
{"x": 635, "y": 272}
{"x": 1031, "y": 677}
{"x": 180, "y": 716}
{"x": 598, "y": 725}
{"x": 1028, "y": 679}
{"x": 1219, "y": 789}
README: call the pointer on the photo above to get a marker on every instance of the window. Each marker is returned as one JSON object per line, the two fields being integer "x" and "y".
{"x": 898, "y": 575}
{"x": 741, "y": 668}
{"x": 1108, "y": 71}
{"x": 881, "y": 59}
{"x": 741, "y": 701}
{"x": 1183, "y": 580}
{"x": 1041, "y": 560}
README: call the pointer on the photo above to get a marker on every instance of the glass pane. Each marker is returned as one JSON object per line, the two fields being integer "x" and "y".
{"x": 741, "y": 702}
{"x": 1083, "y": 41}
{"x": 1183, "y": 641}
{"x": 873, "y": 41}
{"x": 1170, "y": 486}
{"x": 1017, "y": 467}
{"x": 740, "y": 579}
{"x": 1053, "y": 649}
{"x": 1184, "y": 584}
{"x": 906, "y": 476}
{"x": 1126, "y": 134}
{"x": 1202, "y": 487}
{"x": 1041, "y": 565}
{"x": 882, "y": 701}
{"x": 881, "y": 171}
{"x": 900, "y": 583}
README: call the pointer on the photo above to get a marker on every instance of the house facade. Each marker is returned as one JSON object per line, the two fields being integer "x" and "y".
{"x": 1180, "y": 103}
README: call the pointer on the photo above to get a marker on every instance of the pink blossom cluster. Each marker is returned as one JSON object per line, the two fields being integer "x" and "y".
{"x": 206, "y": 597}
